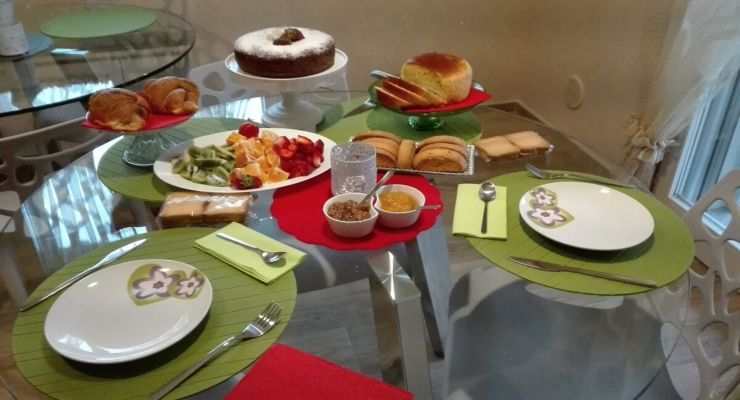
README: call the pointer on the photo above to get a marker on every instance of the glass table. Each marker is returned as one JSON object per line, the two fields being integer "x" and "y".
{"x": 68, "y": 70}
{"x": 73, "y": 213}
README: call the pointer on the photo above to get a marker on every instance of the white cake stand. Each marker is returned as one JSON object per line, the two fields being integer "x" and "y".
{"x": 291, "y": 111}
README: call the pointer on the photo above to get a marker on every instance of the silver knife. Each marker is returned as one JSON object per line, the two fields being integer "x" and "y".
{"x": 366, "y": 105}
{"x": 548, "y": 266}
{"x": 112, "y": 256}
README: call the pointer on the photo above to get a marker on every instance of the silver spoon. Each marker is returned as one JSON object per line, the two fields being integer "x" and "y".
{"x": 487, "y": 192}
{"x": 268, "y": 257}
{"x": 377, "y": 186}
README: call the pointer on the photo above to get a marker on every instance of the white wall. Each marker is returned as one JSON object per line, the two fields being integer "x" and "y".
{"x": 520, "y": 49}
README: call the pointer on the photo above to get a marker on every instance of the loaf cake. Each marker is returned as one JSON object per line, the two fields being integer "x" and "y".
{"x": 199, "y": 209}
{"x": 284, "y": 52}
{"x": 449, "y": 77}
{"x": 118, "y": 109}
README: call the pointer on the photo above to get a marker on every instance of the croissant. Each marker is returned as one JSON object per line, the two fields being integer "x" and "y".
{"x": 118, "y": 109}
{"x": 172, "y": 95}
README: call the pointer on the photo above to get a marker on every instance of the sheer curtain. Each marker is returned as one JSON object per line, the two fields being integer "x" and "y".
{"x": 704, "y": 53}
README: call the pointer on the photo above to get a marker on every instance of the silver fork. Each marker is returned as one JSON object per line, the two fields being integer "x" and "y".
{"x": 258, "y": 327}
{"x": 576, "y": 175}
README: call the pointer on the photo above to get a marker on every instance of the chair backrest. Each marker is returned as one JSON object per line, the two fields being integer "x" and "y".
{"x": 26, "y": 158}
{"x": 719, "y": 286}
{"x": 215, "y": 85}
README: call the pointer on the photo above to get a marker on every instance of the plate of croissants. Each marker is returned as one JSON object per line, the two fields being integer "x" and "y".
{"x": 163, "y": 103}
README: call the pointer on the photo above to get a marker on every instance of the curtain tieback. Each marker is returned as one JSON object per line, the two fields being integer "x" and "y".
{"x": 646, "y": 148}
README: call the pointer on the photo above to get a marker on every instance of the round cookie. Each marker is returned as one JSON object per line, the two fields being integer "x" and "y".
{"x": 377, "y": 134}
{"x": 442, "y": 139}
{"x": 406, "y": 151}
{"x": 440, "y": 160}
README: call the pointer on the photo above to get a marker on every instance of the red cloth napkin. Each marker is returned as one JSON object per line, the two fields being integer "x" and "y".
{"x": 298, "y": 210}
{"x": 153, "y": 122}
{"x": 474, "y": 98}
{"x": 284, "y": 373}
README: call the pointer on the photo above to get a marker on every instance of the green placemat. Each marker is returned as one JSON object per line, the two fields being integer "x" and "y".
{"x": 97, "y": 23}
{"x": 141, "y": 183}
{"x": 466, "y": 125}
{"x": 663, "y": 258}
{"x": 237, "y": 299}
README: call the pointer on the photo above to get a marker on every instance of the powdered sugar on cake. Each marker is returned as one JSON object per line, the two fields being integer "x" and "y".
{"x": 260, "y": 43}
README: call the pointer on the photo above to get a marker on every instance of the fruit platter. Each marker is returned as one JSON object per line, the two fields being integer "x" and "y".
{"x": 250, "y": 159}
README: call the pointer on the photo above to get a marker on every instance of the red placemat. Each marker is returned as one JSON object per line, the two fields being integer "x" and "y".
{"x": 298, "y": 210}
{"x": 474, "y": 98}
{"x": 285, "y": 373}
{"x": 153, "y": 122}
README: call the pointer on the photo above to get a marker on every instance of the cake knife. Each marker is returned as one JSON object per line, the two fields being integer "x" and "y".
{"x": 112, "y": 256}
{"x": 366, "y": 105}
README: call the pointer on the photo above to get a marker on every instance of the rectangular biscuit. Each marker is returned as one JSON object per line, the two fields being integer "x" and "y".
{"x": 497, "y": 148}
{"x": 529, "y": 142}
{"x": 182, "y": 209}
{"x": 227, "y": 208}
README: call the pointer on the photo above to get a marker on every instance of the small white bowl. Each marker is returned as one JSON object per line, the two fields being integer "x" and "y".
{"x": 350, "y": 229}
{"x": 402, "y": 219}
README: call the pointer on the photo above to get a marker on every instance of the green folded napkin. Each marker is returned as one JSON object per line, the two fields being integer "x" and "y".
{"x": 246, "y": 260}
{"x": 469, "y": 213}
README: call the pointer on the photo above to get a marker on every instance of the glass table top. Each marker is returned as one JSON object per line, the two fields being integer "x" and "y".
{"x": 71, "y": 69}
{"x": 73, "y": 213}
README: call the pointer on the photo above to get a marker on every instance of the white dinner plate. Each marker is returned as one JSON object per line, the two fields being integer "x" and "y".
{"x": 586, "y": 215}
{"x": 163, "y": 165}
{"x": 128, "y": 311}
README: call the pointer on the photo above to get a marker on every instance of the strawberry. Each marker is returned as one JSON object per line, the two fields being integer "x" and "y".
{"x": 281, "y": 141}
{"x": 305, "y": 145}
{"x": 249, "y": 130}
{"x": 285, "y": 153}
{"x": 316, "y": 160}
{"x": 244, "y": 182}
{"x": 320, "y": 145}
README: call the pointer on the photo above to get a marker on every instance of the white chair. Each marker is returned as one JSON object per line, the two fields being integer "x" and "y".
{"x": 26, "y": 158}
{"x": 216, "y": 86}
{"x": 718, "y": 363}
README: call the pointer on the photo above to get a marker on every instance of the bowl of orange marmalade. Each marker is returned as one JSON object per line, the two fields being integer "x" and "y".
{"x": 398, "y": 205}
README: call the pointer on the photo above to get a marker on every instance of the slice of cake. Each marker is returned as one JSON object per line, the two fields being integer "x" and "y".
{"x": 284, "y": 52}
{"x": 529, "y": 142}
{"x": 449, "y": 77}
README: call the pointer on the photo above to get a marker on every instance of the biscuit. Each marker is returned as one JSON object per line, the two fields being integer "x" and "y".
{"x": 463, "y": 150}
{"x": 440, "y": 160}
{"x": 497, "y": 148}
{"x": 227, "y": 208}
{"x": 528, "y": 142}
{"x": 382, "y": 143}
{"x": 442, "y": 139}
{"x": 406, "y": 152}
{"x": 384, "y": 158}
{"x": 377, "y": 134}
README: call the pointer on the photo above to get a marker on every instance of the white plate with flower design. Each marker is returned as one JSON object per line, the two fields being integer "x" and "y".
{"x": 586, "y": 215}
{"x": 128, "y": 311}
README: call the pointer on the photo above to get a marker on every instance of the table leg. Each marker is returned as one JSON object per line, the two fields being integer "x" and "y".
{"x": 399, "y": 326}
{"x": 430, "y": 269}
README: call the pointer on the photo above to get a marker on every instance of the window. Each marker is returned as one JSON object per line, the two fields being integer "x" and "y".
{"x": 712, "y": 149}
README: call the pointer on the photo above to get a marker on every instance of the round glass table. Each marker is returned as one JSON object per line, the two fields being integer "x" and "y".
{"x": 74, "y": 213}
{"x": 71, "y": 67}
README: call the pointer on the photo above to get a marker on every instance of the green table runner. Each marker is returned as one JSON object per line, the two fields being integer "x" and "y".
{"x": 98, "y": 23}
{"x": 466, "y": 125}
{"x": 237, "y": 299}
{"x": 141, "y": 183}
{"x": 663, "y": 258}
